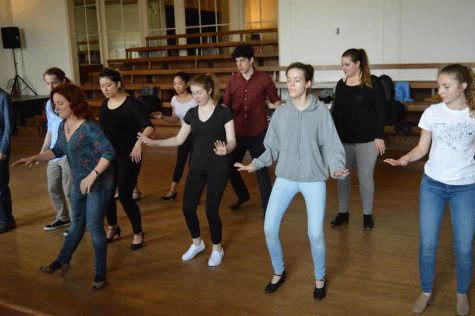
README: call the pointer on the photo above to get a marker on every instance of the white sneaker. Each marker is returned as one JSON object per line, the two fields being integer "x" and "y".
{"x": 193, "y": 251}
{"x": 216, "y": 258}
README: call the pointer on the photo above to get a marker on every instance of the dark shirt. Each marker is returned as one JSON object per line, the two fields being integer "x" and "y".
{"x": 359, "y": 112}
{"x": 247, "y": 99}
{"x": 85, "y": 148}
{"x": 203, "y": 136}
{"x": 122, "y": 124}
{"x": 5, "y": 122}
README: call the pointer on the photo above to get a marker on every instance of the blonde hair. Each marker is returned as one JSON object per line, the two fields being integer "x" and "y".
{"x": 209, "y": 82}
{"x": 462, "y": 74}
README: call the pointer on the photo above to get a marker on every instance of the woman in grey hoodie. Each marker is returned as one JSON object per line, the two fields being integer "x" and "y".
{"x": 304, "y": 142}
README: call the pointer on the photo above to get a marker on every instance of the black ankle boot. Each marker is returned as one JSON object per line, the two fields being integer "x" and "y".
{"x": 271, "y": 287}
{"x": 368, "y": 222}
{"x": 64, "y": 267}
{"x": 99, "y": 281}
{"x": 320, "y": 293}
{"x": 341, "y": 218}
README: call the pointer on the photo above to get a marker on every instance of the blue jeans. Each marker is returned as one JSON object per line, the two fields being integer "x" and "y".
{"x": 282, "y": 194}
{"x": 461, "y": 198}
{"x": 87, "y": 210}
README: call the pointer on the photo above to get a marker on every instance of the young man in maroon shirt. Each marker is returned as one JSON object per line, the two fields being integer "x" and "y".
{"x": 246, "y": 94}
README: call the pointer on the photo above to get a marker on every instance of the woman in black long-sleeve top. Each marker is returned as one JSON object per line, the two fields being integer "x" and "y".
{"x": 359, "y": 113}
{"x": 121, "y": 120}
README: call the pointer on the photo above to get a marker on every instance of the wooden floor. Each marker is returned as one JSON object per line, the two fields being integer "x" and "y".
{"x": 370, "y": 273}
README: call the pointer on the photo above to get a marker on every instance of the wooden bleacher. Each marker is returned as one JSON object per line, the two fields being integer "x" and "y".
{"x": 141, "y": 72}
{"x": 198, "y": 61}
{"x": 213, "y": 47}
{"x": 218, "y": 36}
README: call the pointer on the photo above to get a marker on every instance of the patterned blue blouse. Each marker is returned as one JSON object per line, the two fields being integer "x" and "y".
{"x": 85, "y": 148}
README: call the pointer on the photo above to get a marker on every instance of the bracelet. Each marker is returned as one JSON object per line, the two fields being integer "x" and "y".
{"x": 97, "y": 173}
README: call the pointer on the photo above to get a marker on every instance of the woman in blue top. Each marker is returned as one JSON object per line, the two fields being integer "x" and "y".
{"x": 304, "y": 142}
{"x": 89, "y": 153}
{"x": 448, "y": 130}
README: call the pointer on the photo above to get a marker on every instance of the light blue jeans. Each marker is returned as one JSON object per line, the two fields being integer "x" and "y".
{"x": 88, "y": 210}
{"x": 461, "y": 198}
{"x": 282, "y": 194}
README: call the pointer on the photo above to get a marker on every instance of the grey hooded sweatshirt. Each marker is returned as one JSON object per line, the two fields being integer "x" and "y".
{"x": 305, "y": 143}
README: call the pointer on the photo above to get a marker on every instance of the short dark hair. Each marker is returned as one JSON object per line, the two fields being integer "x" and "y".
{"x": 243, "y": 50}
{"x": 113, "y": 75}
{"x": 59, "y": 73}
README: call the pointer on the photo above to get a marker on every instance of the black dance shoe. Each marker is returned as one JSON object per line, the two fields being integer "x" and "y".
{"x": 169, "y": 196}
{"x": 368, "y": 222}
{"x": 53, "y": 267}
{"x": 116, "y": 233}
{"x": 341, "y": 218}
{"x": 139, "y": 245}
{"x": 271, "y": 287}
{"x": 320, "y": 293}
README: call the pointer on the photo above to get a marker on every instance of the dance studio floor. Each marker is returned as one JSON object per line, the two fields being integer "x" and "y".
{"x": 369, "y": 273}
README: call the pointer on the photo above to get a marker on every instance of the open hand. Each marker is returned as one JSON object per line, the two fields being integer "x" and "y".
{"x": 145, "y": 140}
{"x": 220, "y": 148}
{"x": 26, "y": 161}
{"x": 400, "y": 162}
{"x": 249, "y": 168}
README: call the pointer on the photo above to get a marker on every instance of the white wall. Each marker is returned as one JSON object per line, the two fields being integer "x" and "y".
{"x": 45, "y": 41}
{"x": 391, "y": 31}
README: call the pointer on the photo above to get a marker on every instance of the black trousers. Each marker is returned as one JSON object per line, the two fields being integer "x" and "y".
{"x": 126, "y": 174}
{"x": 215, "y": 180}
{"x": 255, "y": 146}
{"x": 5, "y": 195}
{"x": 181, "y": 158}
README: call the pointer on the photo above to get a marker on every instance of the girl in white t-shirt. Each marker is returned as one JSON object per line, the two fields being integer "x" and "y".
{"x": 449, "y": 176}
{"x": 181, "y": 103}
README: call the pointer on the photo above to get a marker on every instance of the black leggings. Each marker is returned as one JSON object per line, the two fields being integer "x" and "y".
{"x": 126, "y": 174}
{"x": 181, "y": 158}
{"x": 195, "y": 182}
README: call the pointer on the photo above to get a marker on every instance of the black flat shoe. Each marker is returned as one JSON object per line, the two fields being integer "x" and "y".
{"x": 99, "y": 281}
{"x": 368, "y": 222}
{"x": 341, "y": 218}
{"x": 271, "y": 287}
{"x": 139, "y": 245}
{"x": 116, "y": 233}
{"x": 320, "y": 293}
{"x": 169, "y": 196}
{"x": 236, "y": 206}
{"x": 53, "y": 267}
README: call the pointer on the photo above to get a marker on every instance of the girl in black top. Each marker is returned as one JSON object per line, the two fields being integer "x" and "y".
{"x": 212, "y": 132}
{"x": 359, "y": 115}
{"x": 121, "y": 119}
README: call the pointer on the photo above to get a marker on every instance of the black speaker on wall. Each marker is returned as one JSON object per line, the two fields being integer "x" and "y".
{"x": 11, "y": 37}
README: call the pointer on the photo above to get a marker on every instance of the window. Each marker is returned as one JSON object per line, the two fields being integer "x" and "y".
{"x": 87, "y": 32}
{"x": 260, "y": 14}
{"x": 122, "y": 25}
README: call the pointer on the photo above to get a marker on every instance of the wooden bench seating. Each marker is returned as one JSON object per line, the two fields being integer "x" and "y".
{"x": 257, "y": 44}
{"x": 219, "y": 35}
{"x": 182, "y": 62}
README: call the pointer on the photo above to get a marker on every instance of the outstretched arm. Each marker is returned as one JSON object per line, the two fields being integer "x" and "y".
{"x": 416, "y": 153}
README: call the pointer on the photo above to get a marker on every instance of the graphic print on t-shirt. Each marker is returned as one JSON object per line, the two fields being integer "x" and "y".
{"x": 456, "y": 136}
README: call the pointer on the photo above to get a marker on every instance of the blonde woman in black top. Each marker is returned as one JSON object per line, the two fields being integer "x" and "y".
{"x": 359, "y": 115}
